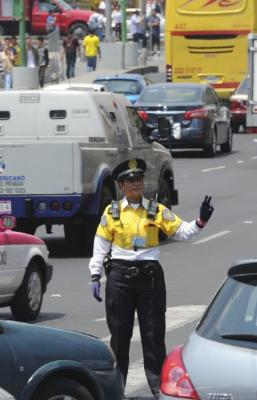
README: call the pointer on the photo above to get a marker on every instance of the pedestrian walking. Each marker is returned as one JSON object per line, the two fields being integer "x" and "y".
{"x": 116, "y": 22}
{"x": 138, "y": 28}
{"x": 153, "y": 24}
{"x": 43, "y": 60}
{"x": 127, "y": 244}
{"x": 96, "y": 23}
{"x": 32, "y": 54}
{"x": 72, "y": 51}
{"x": 50, "y": 22}
{"x": 16, "y": 51}
{"x": 7, "y": 60}
{"x": 91, "y": 45}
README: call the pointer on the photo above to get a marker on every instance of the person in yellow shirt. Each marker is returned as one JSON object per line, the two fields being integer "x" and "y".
{"x": 91, "y": 45}
{"x": 127, "y": 245}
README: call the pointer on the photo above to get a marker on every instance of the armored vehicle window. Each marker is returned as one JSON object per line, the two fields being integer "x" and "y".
{"x": 5, "y": 115}
{"x": 58, "y": 114}
{"x": 112, "y": 116}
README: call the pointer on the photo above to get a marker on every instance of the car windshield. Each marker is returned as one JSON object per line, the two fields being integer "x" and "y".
{"x": 126, "y": 86}
{"x": 243, "y": 86}
{"x": 171, "y": 95}
{"x": 232, "y": 315}
{"x": 65, "y": 5}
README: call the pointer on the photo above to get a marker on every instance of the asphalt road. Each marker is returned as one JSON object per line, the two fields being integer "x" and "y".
{"x": 193, "y": 269}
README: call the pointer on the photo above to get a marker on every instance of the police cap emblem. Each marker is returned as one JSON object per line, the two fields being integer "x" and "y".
{"x": 168, "y": 215}
{"x": 128, "y": 168}
{"x": 132, "y": 164}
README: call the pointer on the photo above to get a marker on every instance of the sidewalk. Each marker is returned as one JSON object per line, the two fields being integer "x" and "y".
{"x": 153, "y": 64}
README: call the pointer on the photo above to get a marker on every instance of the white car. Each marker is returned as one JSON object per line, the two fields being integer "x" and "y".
{"x": 5, "y": 395}
{"x": 87, "y": 87}
{"x": 24, "y": 270}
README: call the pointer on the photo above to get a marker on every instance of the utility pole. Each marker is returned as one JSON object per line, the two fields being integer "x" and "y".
{"x": 108, "y": 27}
{"x": 19, "y": 15}
{"x": 123, "y": 6}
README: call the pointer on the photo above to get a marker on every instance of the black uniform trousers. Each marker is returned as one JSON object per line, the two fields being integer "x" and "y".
{"x": 129, "y": 288}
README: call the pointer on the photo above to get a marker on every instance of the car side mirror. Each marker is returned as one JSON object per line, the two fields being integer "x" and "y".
{"x": 164, "y": 127}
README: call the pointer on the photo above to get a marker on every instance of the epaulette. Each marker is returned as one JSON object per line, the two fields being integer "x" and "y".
{"x": 114, "y": 209}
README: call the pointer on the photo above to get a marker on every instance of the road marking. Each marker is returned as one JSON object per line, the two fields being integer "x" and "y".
{"x": 176, "y": 317}
{"x": 253, "y": 158}
{"x": 248, "y": 222}
{"x": 215, "y": 236}
{"x": 183, "y": 314}
{"x": 240, "y": 162}
{"x": 55, "y": 295}
{"x": 214, "y": 168}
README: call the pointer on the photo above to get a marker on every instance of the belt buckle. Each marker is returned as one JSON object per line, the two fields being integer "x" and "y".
{"x": 131, "y": 272}
{"x": 134, "y": 271}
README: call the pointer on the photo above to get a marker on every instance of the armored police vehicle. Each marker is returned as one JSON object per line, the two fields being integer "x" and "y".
{"x": 57, "y": 151}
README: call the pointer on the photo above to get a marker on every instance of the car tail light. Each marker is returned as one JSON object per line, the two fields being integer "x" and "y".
{"x": 237, "y": 104}
{"x": 199, "y": 113}
{"x": 169, "y": 73}
{"x": 143, "y": 115}
{"x": 55, "y": 205}
{"x": 174, "y": 377}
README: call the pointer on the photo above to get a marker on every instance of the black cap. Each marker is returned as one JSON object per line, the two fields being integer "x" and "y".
{"x": 129, "y": 168}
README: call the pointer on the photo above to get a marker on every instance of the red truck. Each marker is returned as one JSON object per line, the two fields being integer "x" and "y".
{"x": 36, "y": 13}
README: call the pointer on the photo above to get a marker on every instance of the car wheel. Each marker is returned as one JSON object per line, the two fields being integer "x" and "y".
{"x": 62, "y": 389}
{"x": 164, "y": 197}
{"x": 80, "y": 237}
{"x": 210, "y": 150}
{"x": 27, "y": 301}
{"x": 79, "y": 30}
{"x": 227, "y": 146}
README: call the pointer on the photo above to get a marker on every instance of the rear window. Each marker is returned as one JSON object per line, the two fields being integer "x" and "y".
{"x": 171, "y": 95}
{"x": 231, "y": 318}
{"x": 121, "y": 85}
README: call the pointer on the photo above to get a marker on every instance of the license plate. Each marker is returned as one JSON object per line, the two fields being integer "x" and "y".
{"x": 5, "y": 207}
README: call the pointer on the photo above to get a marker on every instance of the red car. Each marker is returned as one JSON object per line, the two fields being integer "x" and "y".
{"x": 24, "y": 269}
{"x": 238, "y": 106}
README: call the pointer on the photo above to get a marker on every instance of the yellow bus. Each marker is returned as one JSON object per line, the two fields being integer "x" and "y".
{"x": 206, "y": 41}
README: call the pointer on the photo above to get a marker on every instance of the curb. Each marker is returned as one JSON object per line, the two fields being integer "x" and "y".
{"x": 143, "y": 70}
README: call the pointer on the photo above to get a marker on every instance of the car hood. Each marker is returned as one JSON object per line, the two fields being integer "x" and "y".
{"x": 41, "y": 345}
{"x": 221, "y": 369}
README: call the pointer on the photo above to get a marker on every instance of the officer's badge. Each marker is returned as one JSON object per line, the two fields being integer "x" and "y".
{"x": 168, "y": 215}
{"x": 103, "y": 220}
{"x": 132, "y": 164}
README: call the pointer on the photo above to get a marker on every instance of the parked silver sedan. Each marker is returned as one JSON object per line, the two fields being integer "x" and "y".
{"x": 219, "y": 360}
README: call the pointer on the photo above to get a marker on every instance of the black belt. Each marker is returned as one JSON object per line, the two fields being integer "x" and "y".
{"x": 135, "y": 267}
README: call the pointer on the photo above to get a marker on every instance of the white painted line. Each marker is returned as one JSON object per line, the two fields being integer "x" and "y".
{"x": 253, "y": 158}
{"x": 217, "y": 235}
{"x": 255, "y": 140}
{"x": 214, "y": 168}
{"x": 55, "y": 295}
{"x": 240, "y": 162}
{"x": 248, "y": 222}
{"x": 184, "y": 314}
{"x": 176, "y": 317}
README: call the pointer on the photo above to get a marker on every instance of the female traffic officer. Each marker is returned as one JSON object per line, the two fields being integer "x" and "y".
{"x": 129, "y": 234}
